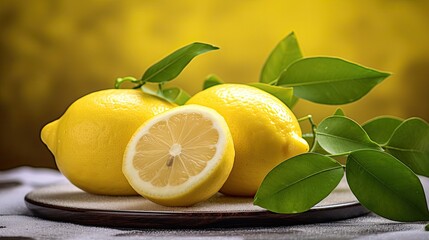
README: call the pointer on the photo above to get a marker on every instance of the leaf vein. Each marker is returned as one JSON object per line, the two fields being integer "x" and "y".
{"x": 329, "y": 81}
{"x": 409, "y": 203}
{"x": 404, "y": 149}
{"x": 370, "y": 144}
{"x": 306, "y": 177}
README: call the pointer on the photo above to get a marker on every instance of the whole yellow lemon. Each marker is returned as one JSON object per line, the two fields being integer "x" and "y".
{"x": 265, "y": 132}
{"x": 89, "y": 140}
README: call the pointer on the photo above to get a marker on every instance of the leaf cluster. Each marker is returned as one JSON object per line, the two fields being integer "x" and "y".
{"x": 384, "y": 156}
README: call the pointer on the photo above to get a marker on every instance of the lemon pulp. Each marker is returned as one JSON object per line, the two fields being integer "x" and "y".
{"x": 180, "y": 157}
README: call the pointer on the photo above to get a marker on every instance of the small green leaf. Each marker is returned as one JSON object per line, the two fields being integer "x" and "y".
{"x": 212, "y": 80}
{"x": 328, "y": 80}
{"x": 172, "y": 65}
{"x": 286, "y": 52}
{"x": 283, "y": 94}
{"x": 410, "y": 144}
{"x": 386, "y": 186}
{"x": 341, "y": 135}
{"x": 176, "y": 95}
{"x": 299, "y": 183}
{"x": 339, "y": 112}
{"x": 150, "y": 91}
{"x": 294, "y": 101}
{"x": 380, "y": 129}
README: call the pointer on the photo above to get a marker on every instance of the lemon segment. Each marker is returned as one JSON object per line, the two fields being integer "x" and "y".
{"x": 180, "y": 157}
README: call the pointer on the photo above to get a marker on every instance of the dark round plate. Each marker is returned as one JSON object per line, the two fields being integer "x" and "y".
{"x": 66, "y": 203}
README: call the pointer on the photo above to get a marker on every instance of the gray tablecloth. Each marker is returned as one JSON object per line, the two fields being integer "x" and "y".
{"x": 16, "y": 221}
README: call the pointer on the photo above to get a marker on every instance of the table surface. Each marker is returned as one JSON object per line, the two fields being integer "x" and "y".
{"x": 16, "y": 221}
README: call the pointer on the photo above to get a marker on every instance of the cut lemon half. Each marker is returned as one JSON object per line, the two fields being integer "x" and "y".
{"x": 180, "y": 157}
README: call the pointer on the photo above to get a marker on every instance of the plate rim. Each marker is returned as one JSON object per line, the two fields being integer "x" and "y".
{"x": 163, "y": 219}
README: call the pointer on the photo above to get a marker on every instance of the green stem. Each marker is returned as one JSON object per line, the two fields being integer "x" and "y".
{"x": 308, "y": 117}
{"x": 337, "y": 155}
{"x": 160, "y": 88}
{"x": 313, "y": 129}
{"x": 121, "y": 80}
{"x": 274, "y": 82}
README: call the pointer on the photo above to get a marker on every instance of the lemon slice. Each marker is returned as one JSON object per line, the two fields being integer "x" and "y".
{"x": 180, "y": 157}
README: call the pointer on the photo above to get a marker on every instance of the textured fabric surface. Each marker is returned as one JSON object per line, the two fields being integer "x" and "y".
{"x": 16, "y": 221}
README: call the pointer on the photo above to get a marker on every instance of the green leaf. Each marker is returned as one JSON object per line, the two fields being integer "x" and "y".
{"x": 299, "y": 183}
{"x": 386, "y": 186}
{"x": 341, "y": 135}
{"x": 380, "y": 129}
{"x": 294, "y": 101}
{"x": 328, "y": 80}
{"x": 172, "y": 65}
{"x": 286, "y": 52}
{"x": 176, "y": 95}
{"x": 315, "y": 149}
{"x": 152, "y": 92}
{"x": 339, "y": 112}
{"x": 283, "y": 94}
{"x": 410, "y": 144}
{"x": 212, "y": 80}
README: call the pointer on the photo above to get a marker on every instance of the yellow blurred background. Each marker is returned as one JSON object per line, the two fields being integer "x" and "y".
{"x": 53, "y": 52}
